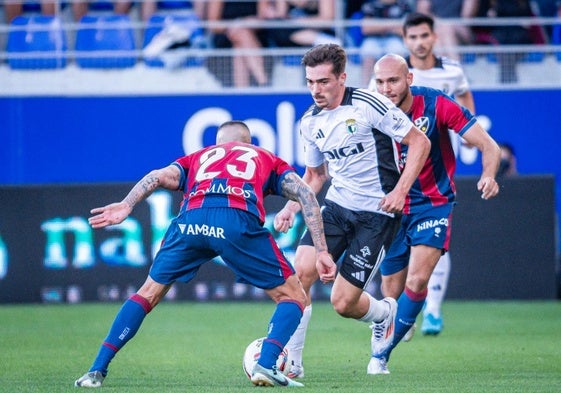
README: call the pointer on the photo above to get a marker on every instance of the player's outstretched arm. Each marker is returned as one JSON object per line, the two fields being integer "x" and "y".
{"x": 115, "y": 213}
{"x": 295, "y": 189}
{"x": 490, "y": 159}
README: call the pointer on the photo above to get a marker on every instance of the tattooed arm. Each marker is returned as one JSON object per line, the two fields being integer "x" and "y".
{"x": 315, "y": 177}
{"x": 116, "y": 213}
{"x": 294, "y": 188}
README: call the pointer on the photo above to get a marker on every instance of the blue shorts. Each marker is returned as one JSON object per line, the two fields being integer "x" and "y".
{"x": 197, "y": 236}
{"x": 361, "y": 237}
{"x": 430, "y": 227}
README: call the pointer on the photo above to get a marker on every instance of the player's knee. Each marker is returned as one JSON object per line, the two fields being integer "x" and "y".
{"x": 417, "y": 283}
{"x": 307, "y": 280}
{"x": 153, "y": 292}
{"x": 306, "y": 272}
{"x": 298, "y": 297}
{"x": 342, "y": 306}
{"x": 301, "y": 299}
{"x": 292, "y": 290}
{"x": 391, "y": 289}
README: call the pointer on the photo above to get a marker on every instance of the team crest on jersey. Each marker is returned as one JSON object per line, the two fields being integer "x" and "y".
{"x": 351, "y": 126}
{"x": 422, "y": 123}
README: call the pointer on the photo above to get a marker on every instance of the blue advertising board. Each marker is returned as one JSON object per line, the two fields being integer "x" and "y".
{"x": 58, "y": 139}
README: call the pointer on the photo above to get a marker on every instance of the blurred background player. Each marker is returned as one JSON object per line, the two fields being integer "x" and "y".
{"x": 426, "y": 222}
{"x": 215, "y": 221}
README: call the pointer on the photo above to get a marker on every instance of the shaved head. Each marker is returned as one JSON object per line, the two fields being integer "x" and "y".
{"x": 233, "y": 131}
{"x": 393, "y": 80}
{"x": 393, "y": 62}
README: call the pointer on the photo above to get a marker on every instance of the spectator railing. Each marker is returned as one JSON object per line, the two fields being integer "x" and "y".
{"x": 536, "y": 65}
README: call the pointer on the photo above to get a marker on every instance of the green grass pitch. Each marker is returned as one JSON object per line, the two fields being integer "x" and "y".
{"x": 197, "y": 347}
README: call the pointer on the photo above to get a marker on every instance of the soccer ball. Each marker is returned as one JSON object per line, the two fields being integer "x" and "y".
{"x": 252, "y": 353}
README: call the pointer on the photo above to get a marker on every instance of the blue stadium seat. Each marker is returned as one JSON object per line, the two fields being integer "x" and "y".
{"x": 529, "y": 57}
{"x": 187, "y": 21}
{"x": 556, "y": 39}
{"x": 174, "y": 5}
{"x": 36, "y": 42}
{"x": 534, "y": 57}
{"x": 100, "y": 5}
{"x": 292, "y": 60}
{"x": 105, "y": 41}
{"x": 354, "y": 33}
{"x": 468, "y": 58}
{"x": 30, "y": 6}
{"x": 491, "y": 57}
{"x": 355, "y": 37}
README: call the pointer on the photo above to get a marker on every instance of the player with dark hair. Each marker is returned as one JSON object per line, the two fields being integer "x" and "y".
{"x": 424, "y": 234}
{"x": 431, "y": 70}
{"x": 222, "y": 214}
{"x": 350, "y": 136}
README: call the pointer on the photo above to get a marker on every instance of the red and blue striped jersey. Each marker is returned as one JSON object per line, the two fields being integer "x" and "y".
{"x": 434, "y": 113}
{"x": 235, "y": 175}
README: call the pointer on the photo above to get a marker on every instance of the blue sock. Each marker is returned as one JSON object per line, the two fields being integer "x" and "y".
{"x": 409, "y": 305}
{"x": 124, "y": 327}
{"x": 283, "y": 324}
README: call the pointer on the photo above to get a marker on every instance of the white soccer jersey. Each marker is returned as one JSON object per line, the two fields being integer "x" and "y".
{"x": 446, "y": 75}
{"x": 356, "y": 141}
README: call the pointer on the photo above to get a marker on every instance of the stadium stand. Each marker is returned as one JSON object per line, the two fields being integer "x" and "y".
{"x": 106, "y": 40}
{"x": 36, "y": 42}
{"x": 99, "y": 34}
{"x": 168, "y": 35}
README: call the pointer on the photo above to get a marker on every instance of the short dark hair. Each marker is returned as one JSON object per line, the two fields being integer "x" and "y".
{"x": 415, "y": 19}
{"x": 326, "y": 53}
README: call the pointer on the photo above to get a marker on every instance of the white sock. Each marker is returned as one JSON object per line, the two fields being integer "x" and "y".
{"x": 377, "y": 311}
{"x": 438, "y": 283}
{"x": 295, "y": 345}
